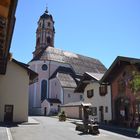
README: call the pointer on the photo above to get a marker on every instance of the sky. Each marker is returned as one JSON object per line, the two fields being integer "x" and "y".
{"x": 101, "y": 29}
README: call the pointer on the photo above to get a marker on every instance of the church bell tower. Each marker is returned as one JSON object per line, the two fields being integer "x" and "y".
{"x": 45, "y": 33}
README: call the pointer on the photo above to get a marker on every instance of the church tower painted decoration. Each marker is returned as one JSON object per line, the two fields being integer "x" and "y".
{"x": 45, "y": 33}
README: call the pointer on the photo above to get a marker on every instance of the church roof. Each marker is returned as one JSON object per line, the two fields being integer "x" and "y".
{"x": 79, "y": 63}
{"x": 66, "y": 77}
{"x": 62, "y": 69}
{"x": 66, "y": 80}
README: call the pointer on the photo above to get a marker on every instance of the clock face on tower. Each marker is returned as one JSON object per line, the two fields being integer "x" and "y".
{"x": 44, "y": 67}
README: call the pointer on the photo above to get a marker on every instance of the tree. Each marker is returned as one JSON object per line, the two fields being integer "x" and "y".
{"x": 135, "y": 82}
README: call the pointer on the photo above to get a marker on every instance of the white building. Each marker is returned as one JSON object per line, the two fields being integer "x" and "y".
{"x": 14, "y": 87}
{"x": 98, "y": 95}
{"x": 59, "y": 71}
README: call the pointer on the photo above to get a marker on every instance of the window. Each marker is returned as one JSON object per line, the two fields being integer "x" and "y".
{"x": 94, "y": 111}
{"x": 48, "y": 40}
{"x": 121, "y": 86}
{"x": 43, "y": 89}
{"x": 81, "y": 97}
{"x": 103, "y": 90}
{"x": 44, "y": 67}
{"x": 69, "y": 95}
{"x": 49, "y": 24}
{"x": 106, "y": 109}
{"x": 90, "y": 93}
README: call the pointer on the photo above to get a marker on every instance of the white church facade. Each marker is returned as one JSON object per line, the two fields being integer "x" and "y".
{"x": 59, "y": 71}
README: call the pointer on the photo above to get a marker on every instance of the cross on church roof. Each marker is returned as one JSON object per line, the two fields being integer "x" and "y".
{"x": 46, "y": 11}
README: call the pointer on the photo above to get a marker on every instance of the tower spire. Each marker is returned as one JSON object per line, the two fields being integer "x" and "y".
{"x": 45, "y": 32}
{"x": 46, "y": 11}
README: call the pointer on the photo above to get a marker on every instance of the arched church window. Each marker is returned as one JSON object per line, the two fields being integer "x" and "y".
{"x": 49, "y": 24}
{"x": 43, "y": 89}
{"x": 48, "y": 40}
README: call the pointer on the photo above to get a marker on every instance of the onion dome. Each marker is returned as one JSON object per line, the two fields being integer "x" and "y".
{"x": 46, "y": 15}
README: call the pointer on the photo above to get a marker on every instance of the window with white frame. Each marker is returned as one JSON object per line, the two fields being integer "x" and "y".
{"x": 103, "y": 90}
{"x": 106, "y": 109}
{"x": 90, "y": 93}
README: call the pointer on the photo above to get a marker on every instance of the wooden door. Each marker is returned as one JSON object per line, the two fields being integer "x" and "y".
{"x": 8, "y": 113}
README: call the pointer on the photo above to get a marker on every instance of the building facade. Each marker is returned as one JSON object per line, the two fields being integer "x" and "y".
{"x": 59, "y": 71}
{"x": 14, "y": 92}
{"x": 99, "y": 96}
{"x": 14, "y": 75}
{"x": 125, "y": 101}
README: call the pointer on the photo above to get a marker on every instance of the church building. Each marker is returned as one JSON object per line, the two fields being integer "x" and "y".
{"x": 59, "y": 71}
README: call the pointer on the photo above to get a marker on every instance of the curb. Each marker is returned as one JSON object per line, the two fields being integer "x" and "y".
{"x": 9, "y": 135}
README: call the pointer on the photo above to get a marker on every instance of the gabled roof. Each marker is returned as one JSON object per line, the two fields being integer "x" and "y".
{"x": 96, "y": 76}
{"x": 88, "y": 78}
{"x": 51, "y": 100}
{"x": 66, "y": 80}
{"x": 79, "y": 63}
{"x": 66, "y": 77}
{"x": 117, "y": 66}
{"x": 32, "y": 75}
{"x": 62, "y": 69}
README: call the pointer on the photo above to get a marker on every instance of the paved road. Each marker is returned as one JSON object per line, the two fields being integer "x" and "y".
{"x": 52, "y": 129}
{"x": 3, "y": 133}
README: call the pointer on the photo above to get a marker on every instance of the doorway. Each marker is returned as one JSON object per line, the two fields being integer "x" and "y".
{"x": 8, "y": 113}
{"x": 122, "y": 109}
{"x": 45, "y": 111}
{"x": 101, "y": 113}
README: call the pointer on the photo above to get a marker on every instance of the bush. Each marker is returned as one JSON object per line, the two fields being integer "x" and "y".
{"x": 62, "y": 116}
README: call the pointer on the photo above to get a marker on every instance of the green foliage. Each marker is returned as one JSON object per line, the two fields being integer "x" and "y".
{"x": 62, "y": 116}
{"x": 135, "y": 82}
